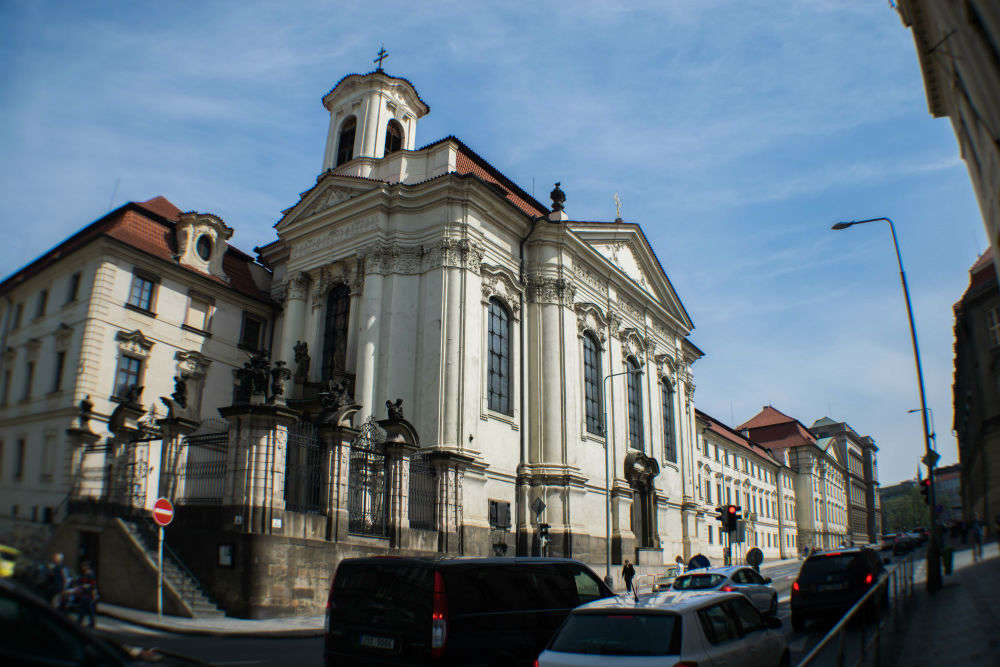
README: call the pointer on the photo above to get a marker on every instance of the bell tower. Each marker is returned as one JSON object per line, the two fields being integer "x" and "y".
{"x": 371, "y": 116}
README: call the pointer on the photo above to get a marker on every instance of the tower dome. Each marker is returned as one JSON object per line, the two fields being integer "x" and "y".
{"x": 371, "y": 115}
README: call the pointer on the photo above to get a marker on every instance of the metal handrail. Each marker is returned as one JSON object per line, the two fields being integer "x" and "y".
{"x": 906, "y": 580}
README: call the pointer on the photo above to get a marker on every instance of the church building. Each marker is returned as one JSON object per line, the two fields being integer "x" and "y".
{"x": 446, "y": 366}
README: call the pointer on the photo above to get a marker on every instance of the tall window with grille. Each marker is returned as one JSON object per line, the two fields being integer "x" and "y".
{"x": 635, "y": 434}
{"x": 498, "y": 370}
{"x": 993, "y": 326}
{"x": 338, "y": 314}
{"x": 592, "y": 385}
{"x": 669, "y": 443}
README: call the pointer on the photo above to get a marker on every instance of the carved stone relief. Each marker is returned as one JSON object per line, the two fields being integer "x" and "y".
{"x": 590, "y": 318}
{"x": 497, "y": 282}
{"x": 328, "y": 199}
{"x": 557, "y": 291}
{"x": 133, "y": 342}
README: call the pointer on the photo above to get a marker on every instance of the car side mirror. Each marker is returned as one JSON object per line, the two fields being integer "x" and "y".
{"x": 772, "y": 622}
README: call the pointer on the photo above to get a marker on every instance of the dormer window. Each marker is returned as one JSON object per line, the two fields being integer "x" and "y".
{"x": 393, "y": 137}
{"x": 204, "y": 247}
{"x": 345, "y": 144}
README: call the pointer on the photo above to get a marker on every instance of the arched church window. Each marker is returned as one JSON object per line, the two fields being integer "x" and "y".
{"x": 592, "y": 384}
{"x": 345, "y": 142}
{"x": 338, "y": 311}
{"x": 669, "y": 442}
{"x": 393, "y": 136}
{"x": 635, "y": 435}
{"x": 498, "y": 376}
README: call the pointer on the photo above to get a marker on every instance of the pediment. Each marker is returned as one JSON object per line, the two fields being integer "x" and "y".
{"x": 625, "y": 248}
{"x": 329, "y": 192}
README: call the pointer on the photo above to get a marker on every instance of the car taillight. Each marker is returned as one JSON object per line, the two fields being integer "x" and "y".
{"x": 725, "y": 589}
{"x": 439, "y": 617}
{"x": 868, "y": 578}
{"x": 795, "y": 586}
{"x": 686, "y": 663}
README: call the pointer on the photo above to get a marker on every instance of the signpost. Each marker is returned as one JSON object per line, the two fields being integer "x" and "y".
{"x": 163, "y": 514}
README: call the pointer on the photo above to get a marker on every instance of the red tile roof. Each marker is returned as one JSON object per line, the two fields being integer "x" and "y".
{"x": 147, "y": 227}
{"x": 766, "y": 417}
{"x": 720, "y": 429}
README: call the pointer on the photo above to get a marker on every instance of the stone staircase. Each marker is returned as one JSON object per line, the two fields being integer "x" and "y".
{"x": 175, "y": 573}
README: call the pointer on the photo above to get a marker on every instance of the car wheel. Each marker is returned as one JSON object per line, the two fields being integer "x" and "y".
{"x": 785, "y": 660}
{"x": 798, "y": 622}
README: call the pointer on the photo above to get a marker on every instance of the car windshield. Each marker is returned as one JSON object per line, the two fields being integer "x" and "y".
{"x": 622, "y": 633}
{"x": 695, "y": 582}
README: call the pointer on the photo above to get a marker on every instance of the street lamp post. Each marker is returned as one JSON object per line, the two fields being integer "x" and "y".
{"x": 930, "y": 456}
{"x": 609, "y": 443}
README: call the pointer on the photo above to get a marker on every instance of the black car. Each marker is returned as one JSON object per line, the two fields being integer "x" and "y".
{"x": 33, "y": 633}
{"x": 451, "y": 611}
{"x": 830, "y": 582}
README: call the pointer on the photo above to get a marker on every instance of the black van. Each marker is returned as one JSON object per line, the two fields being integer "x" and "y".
{"x": 451, "y": 611}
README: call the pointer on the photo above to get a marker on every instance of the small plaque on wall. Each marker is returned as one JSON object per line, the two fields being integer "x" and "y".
{"x": 225, "y": 555}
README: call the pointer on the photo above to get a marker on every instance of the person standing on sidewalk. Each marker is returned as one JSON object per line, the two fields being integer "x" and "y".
{"x": 977, "y": 540}
{"x": 86, "y": 595}
{"x": 57, "y": 582}
{"x": 628, "y": 573}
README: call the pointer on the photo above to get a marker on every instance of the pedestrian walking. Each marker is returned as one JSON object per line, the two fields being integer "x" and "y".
{"x": 977, "y": 540}
{"x": 57, "y": 582}
{"x": 680, "y": 565}
{"x": 85, "y": 595}
{"x": 628, "y": 573}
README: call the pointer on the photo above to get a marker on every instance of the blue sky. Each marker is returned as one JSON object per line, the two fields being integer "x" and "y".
{"x": 735, "y": 132}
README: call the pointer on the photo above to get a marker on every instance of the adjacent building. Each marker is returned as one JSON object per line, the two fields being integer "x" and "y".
{"x": 860, "y": 478}
{"x": 734, "y": 470}
{"x": 818, "y": 471}
{"x": 976, "y": 391}
{"x": 145, "y": 302}
{"x": 958, "y": 47}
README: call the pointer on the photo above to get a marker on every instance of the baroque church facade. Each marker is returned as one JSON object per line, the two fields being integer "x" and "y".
{"x": 445, "y": 365}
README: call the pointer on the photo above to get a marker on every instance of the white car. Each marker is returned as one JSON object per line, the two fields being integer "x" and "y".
{"x": 719, "y": 629}
{"x": 743, "y": 580}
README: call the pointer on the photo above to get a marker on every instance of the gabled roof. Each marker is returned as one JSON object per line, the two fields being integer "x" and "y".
{"x": 601, "y": 235}
{"x": 768, "y": 416}
{"x": 148, "y": 227}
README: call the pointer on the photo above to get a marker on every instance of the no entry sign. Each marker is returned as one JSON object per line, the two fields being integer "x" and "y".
{"x": 163, "y": 512}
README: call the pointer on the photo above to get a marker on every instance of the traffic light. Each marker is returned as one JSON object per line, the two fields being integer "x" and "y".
{"x": 543, "y": 534}
{"x": 720, "y": 516}
{"x": 732, "y": 518}
{"x": 925, "y": 490}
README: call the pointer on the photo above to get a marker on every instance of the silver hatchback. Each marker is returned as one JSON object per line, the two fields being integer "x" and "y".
{"x": 719, "y": 629}
{"x": 743, "y": 580}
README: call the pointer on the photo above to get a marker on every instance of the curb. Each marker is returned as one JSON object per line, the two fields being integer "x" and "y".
{"x": 211, "y": 632}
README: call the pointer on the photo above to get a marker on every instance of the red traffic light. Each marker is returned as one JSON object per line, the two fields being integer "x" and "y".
{"x": 732, "y": 509}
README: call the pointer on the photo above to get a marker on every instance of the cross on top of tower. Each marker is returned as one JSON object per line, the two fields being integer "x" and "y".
{"x": 382, "y": 55}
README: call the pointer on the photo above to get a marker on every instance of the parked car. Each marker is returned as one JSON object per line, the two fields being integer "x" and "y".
{"x": 743, "y": 580}
{"x": 830, "y": 582}
{"x": 703, "y": 628}
{"x": 665, "y": 579}
{"x": 451, "y": 611}
{"x": 34, "y": 633}
{"x": 8, "y": 559}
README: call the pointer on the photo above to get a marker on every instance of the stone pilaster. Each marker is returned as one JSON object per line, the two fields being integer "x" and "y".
{"x": 254, "y": 483}
{"x": 173, "y": 456}
{"x": 336, "y": 468}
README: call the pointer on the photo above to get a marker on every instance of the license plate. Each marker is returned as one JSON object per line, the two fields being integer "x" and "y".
{"x": 831, "y": 587}
{"x": 384, "y": 643}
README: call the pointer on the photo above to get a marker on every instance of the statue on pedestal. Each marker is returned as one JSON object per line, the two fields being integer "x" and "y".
{"x": 302, "y": 362}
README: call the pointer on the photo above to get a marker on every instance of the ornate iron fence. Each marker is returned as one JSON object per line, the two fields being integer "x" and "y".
{"x": 423, "y": 494}
{"x": 367, "y": 484}
{"x": 304, "y": 470}
{"x": 204, "y": 469}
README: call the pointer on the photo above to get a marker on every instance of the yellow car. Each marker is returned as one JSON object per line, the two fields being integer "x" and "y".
{"x": 8, "y": 557}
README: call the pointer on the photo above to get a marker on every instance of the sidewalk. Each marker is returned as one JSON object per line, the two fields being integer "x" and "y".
{"x": 292, "y": 626}
{"x": 960, "y": 624}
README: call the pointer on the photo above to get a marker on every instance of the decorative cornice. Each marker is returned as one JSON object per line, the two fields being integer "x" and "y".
{"x": 590, "y": 318}
{"x": 191, "y": 363}
{"x": 134, "y": 342}
{"x": 498, "y": 283}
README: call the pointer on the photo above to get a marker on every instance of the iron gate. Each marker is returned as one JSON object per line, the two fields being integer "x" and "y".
{"x": 367, "y": 484}
{"x": 423, "y": 493}
{"x": 304, "y": 470}
{"x": 128, "y": 471}
{"x": 204, "y": 468}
